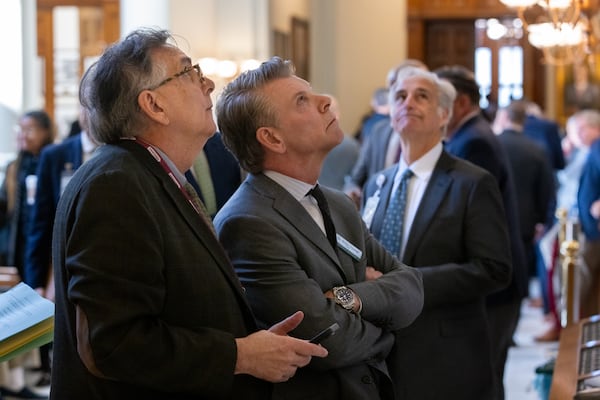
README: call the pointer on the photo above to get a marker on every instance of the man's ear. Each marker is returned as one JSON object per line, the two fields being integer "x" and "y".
{"x": 150, "y": 104}
{"x": 270, "y": 139}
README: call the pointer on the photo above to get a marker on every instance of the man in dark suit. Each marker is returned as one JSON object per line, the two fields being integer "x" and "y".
{"x": 470, "y": 137}
{"x": 588, "y": 202}
{"x": 455, "y": 233}
{"x": 533, "y": 178}
{"x": 147, "y": 304}
{"x": 547, "y": 134}
{"x": 296, "y": 245}
{"x": 57, "y": 165}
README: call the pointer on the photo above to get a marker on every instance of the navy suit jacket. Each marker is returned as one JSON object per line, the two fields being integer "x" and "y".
{"x": 458, "y": 240}
{"x": 224, "y": 169}
{"x": 534, "y": 181}
{"x": 55, "y": 160}
{"x": 475, "y": 141}
{"x": 589, "y": 192}
{"x": 546, "y": 133}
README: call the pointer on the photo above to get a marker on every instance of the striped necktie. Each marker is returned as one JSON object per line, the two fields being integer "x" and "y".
{"x": 199, "y": 206}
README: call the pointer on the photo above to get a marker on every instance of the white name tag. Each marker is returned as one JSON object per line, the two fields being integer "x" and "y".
{"x": 348, "y": 247}
{"x": 369, "y": 210}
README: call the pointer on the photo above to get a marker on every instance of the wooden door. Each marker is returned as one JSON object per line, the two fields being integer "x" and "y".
{"x": 450, "y": 43}
{"x": 99, "y": 26}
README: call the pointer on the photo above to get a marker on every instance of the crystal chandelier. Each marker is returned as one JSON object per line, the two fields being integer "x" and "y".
{"x": 562, "y": 29}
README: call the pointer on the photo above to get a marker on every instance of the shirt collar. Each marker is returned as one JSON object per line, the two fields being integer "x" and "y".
{"x": 295, "y": 187}
{"x": 424, "y": 166}
{"x": 178, "y": 174}
{"x": 87, "y": 144}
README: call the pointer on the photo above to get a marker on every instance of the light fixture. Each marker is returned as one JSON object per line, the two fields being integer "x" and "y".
{"x": 225, "y": 70}
{"x": 560, "y": 28}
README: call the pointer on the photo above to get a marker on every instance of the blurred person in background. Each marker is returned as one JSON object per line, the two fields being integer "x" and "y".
{"x": 17, "y": 197}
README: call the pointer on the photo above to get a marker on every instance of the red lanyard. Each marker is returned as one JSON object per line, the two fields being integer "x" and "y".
{"x": 168, "y": 170}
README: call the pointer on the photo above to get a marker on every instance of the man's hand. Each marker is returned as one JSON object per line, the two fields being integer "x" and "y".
{"x": 371, "y": 274}
{"x": 272, "y": 355}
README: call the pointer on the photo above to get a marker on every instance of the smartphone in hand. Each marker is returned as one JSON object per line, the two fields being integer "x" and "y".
{"x": 325, "y": 333}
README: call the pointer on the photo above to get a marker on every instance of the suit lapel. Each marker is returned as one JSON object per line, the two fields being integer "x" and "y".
{"x": 435, "y": 193}
{"x": 193, "y": 220}
{"x": 292, "y": 211}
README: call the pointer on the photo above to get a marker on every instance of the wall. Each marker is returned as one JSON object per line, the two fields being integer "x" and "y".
{"x": 355, "y": 43}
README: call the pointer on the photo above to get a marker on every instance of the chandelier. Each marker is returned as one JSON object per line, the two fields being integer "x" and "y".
{"x": 565, "y": 30}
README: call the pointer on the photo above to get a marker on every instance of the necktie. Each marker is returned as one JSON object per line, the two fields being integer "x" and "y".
{"x": 199, "y": 206}
{"x": 391, "y": 231}
{"x": 327, "y": 221}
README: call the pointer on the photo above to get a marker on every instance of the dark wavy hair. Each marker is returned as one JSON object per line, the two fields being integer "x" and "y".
{"x": 462, "y": 79}
{"x": 110, "y": 87}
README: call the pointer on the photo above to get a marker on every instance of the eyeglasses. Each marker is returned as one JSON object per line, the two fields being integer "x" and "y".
{"x": 187, "y": 69}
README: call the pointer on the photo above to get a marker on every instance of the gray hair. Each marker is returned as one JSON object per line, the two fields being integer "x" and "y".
{"x": 445, "y": 91}
{"x": 110, "y": 87}
{"x": 242, "y": 109}
{"x": 587, "y": 117}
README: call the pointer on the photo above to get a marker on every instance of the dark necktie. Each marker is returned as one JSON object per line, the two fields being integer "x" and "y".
{"x": 199, "y": 206}
{"x": 327, "y": 221}
{"x": 393, "y": 222}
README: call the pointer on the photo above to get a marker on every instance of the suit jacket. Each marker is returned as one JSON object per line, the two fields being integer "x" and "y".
{"x": 458, "y": 240}
{"x": 589, "y": 192}
{"x": 15, "y": 210}
{"x": 224, "y": 169}
{"x": 286, "y": 263}
{"x": 475, "y": 141}
{"x": 547, "y": 134}
{"x": 372, "y": 153}
{"x": 339, "y": 163}
{"x": 533, "y": 178}
{"x": 145, "y": 294}
{"x": 55, "y": 161}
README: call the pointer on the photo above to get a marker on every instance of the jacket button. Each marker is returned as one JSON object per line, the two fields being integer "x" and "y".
{"x": 367, "y": 379}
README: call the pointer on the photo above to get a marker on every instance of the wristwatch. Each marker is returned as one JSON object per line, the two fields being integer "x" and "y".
{"x": 345, "y": 297}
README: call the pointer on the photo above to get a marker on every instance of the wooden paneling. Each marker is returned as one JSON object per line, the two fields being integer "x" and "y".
{"x": 45, "y": 47}
{"x": 99, "y": 26}
{"x": 445, "y": 9}
{"x": 442, "y": 32}
{"x": 449, "y": 43}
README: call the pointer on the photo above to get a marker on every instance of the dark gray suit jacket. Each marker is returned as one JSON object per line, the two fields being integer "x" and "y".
{"x": 144, "y": 291}
{"x": 458, "y": 241}
{"x": 371, "y": 158}
{"x": 286, "y": 264}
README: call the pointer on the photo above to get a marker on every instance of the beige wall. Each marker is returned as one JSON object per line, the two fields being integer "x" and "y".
{"x": 355, "y": 43}
{"x": 281, "y": 12}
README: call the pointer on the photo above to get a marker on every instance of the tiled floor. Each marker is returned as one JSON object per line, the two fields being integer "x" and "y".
{"x": 520, "y": 377}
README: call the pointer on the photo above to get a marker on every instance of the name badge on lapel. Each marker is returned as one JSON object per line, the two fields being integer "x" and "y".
{"x": 348, "y": 247}
{"x": 372, "y": 202}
